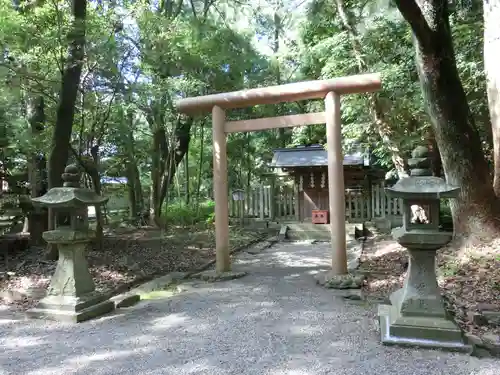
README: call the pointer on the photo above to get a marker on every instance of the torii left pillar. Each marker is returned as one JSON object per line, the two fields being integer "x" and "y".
{"x": 223, "y": 261}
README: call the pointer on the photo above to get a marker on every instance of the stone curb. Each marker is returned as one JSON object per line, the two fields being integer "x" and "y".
{"x": 129, "y": 294}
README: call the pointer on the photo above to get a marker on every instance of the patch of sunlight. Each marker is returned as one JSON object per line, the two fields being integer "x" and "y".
{"x": 6, "y": 321}
{"x": 201, "y": 366}
{"x": 291, "y": 260}
{"x": 247, "y": 261}
{"x": 384, "y": 282}
{"x": 260, "y": 289}
{"x": 12, "y": 342}
{"x": 315, "y": 272}
{"x": 291, "y": 372}
{"x": 94, "y": 357}
{"x": 301, "y": 243}
{"x": 140, "y": 340}
{"x": 197, "y": 328}
{"x": 484, "y": 371}
{"x": 292, "y": 276}
{"x": 306, "y": 330}
{"x": 169, "y": 321}
{"x": 69, "y": 369}
{"x": 386, "y": 247}
{"x": 26, "y": 282}
{"x": 113, "y": 315}
{"x": 157, "y": 294}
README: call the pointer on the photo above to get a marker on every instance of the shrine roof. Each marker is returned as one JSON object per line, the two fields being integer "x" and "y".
{"x": 313, "y": 156}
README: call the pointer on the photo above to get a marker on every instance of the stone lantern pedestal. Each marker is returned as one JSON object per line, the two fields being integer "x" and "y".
{"x": 71, "y": 295}
{"x": 417, "y": 316}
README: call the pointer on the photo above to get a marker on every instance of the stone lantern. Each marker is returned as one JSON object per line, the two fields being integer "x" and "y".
{"x": 71, "y": 295}
{"x": 416, "y": 316}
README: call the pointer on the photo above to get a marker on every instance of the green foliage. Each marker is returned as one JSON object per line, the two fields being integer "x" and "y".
{"x": 142, "y": 56}
{"x": 187, "y": 215}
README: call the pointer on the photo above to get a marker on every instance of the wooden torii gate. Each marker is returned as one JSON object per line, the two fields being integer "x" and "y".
{"x": 330, "y": 90}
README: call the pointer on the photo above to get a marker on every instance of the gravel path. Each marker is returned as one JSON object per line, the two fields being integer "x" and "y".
{"x": 274, "y": 321}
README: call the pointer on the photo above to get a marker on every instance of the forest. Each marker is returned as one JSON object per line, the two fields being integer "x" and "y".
{"x": 95, "y": 83}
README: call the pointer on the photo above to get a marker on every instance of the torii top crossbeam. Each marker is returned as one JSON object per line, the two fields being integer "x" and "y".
{"x": 278, "y": 94}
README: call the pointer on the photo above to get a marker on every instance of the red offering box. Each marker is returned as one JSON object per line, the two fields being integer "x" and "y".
{"x": 320, "y": 217}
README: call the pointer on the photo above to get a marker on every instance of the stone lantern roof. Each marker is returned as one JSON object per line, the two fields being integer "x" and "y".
{"x": 423, "y": 187}
{"x": 70, "y": 195}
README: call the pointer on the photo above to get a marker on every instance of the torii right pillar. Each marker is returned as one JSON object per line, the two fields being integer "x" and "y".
{"x": 336, "y": 190}
{"x": 338, "y": 277}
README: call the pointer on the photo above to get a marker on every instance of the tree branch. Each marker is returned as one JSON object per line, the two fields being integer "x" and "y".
{"x": 412, "y": 13}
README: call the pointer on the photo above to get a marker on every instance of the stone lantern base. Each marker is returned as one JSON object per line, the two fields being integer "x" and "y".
{"x": 72, "y": 309}
{"x": 72, "y": 296}
{"x": 427, "y": 332}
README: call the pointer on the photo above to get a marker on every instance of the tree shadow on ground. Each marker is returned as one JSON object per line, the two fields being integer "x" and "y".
{"x": 274, "y": 321}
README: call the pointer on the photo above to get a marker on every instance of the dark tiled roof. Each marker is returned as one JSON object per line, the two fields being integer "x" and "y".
{"x": 312, "y": 156}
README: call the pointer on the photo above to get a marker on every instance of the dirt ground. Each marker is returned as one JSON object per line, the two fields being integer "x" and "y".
{"x": 126, "y": 256}
{"x": 469, "y": 277}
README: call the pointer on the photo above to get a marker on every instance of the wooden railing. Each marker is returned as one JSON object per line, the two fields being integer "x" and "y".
{"x": 261, "y": 203}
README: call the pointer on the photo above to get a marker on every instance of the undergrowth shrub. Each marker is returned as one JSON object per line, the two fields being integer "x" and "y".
{"x": 181, "y": 214}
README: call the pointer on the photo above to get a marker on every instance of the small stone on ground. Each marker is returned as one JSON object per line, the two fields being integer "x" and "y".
{"x": 347, "y": 281}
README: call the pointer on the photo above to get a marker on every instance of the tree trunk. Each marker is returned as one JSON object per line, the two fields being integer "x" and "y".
{"x": 165, "y": 164}
{"x": 133, "y": 213}
{"x": 67, "y": 98}
{"x": 436, "y": 164}
{"x": 491, "y": 9}
{"x": 456, "y": 134}
{"x": 186, "y": 179}
{"x": 37, "y": 219}
{"x": 156, "y": 173}
{"x": 278, "y": 27}
{"x": 200, "y": 165}
{"x": 96, "y": 184}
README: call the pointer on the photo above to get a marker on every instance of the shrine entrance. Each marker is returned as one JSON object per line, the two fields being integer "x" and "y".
{"x": 330, "y": 90}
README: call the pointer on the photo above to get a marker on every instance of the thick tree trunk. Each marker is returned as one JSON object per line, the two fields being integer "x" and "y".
{"x": 67, "y": 98}
{"x": 459, "y": 143}
{"x": 491, "y": 9}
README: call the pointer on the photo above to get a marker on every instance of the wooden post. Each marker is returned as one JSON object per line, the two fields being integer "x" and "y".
{"x": 272, "y": 201}
{"x": 223, "y": 263}
{"x": 383, "y": 199}
{"x": 369, "y": 205}
{"x": 261, "y": 201}
{"x": 336, "y": 183}
{"x": 296, "y": 198}
{"x": 242, "y": 213}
